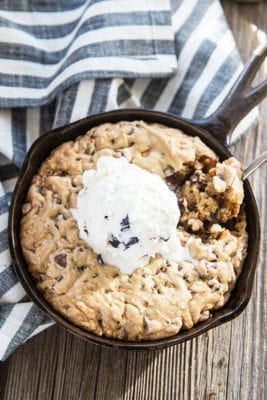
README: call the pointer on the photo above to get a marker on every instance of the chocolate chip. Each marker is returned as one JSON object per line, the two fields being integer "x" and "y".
{"x": 203, "y": 186}
{"x": 125, "y": 224}
{"x": 81, "y": 268}
{"x": 186, "y": 278}
{"x": 59, "y": 278}
{"x": 132, "y": 241}
{"x": 55, "y": 218}
{"x": 220, "y": 177}
{"x": 162, "y": 269}
{"x": 106, "y": 216}
{"x": 213, "y": 218}
{"x": 165, "y": 239}
{"x": 114, "y": 241}
{"x": 61, "y": 259}
{"x": 146, "y": 324}
{"x": 131, "y": 131}
{"x": 57, "y": 200}
{"x": 86, "y": 231}
{"x": 62, "y": 173}
{"x": 191, "y": 206}
{"x": 100, "y": 259}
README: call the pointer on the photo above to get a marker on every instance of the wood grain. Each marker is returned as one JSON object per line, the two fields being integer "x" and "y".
{"x": 228, "y": 362}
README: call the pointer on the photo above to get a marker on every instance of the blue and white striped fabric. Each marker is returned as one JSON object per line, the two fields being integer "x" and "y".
{"x": 54, "y": 46}
{"x": 61, "y": 61}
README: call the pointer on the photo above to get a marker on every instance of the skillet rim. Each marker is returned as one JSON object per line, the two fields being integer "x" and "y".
{"x": 70, "y": 131}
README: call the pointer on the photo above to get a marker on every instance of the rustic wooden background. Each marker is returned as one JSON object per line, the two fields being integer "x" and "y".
{"x": 228, "y": 362}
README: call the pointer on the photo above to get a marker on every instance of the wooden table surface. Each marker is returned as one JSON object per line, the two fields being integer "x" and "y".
{"x": 228, "y": 362}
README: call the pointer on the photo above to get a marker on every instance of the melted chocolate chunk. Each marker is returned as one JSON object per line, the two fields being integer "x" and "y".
{"x": 230, "y": 224}
{"x": 173, "y": 181}
{"x": 125, "y": 224}
{"x": 178, "y": 178}
{"x": 61, "y": 260}
{"x": 132, "y": 241}
{"x": 114, "y": 241}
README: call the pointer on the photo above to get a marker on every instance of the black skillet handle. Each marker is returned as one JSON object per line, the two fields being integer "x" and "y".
{"x": 241, "y": 99}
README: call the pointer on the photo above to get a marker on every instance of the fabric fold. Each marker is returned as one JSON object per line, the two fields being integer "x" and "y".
{"x": 44, "y": 52}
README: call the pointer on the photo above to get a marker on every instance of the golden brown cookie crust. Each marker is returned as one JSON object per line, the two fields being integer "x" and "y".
{"x": 157, "y": 300}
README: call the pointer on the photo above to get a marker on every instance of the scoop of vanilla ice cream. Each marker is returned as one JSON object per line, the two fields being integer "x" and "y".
{"x": 127, "y": 215}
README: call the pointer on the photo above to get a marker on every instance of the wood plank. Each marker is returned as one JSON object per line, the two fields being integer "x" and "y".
{"x": 228, "y": 362}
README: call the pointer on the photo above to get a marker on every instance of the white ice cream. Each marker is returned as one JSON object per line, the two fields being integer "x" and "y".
{"x": 127, "y": 215}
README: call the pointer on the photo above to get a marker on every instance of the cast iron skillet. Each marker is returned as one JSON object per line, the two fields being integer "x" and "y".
{"x": 215, "y": 131}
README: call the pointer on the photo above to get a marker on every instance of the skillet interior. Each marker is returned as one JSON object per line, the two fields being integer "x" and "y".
{"x": 37, "y": 154}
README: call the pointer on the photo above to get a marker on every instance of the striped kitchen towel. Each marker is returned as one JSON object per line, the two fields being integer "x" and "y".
{"x": 61, "y": 61}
